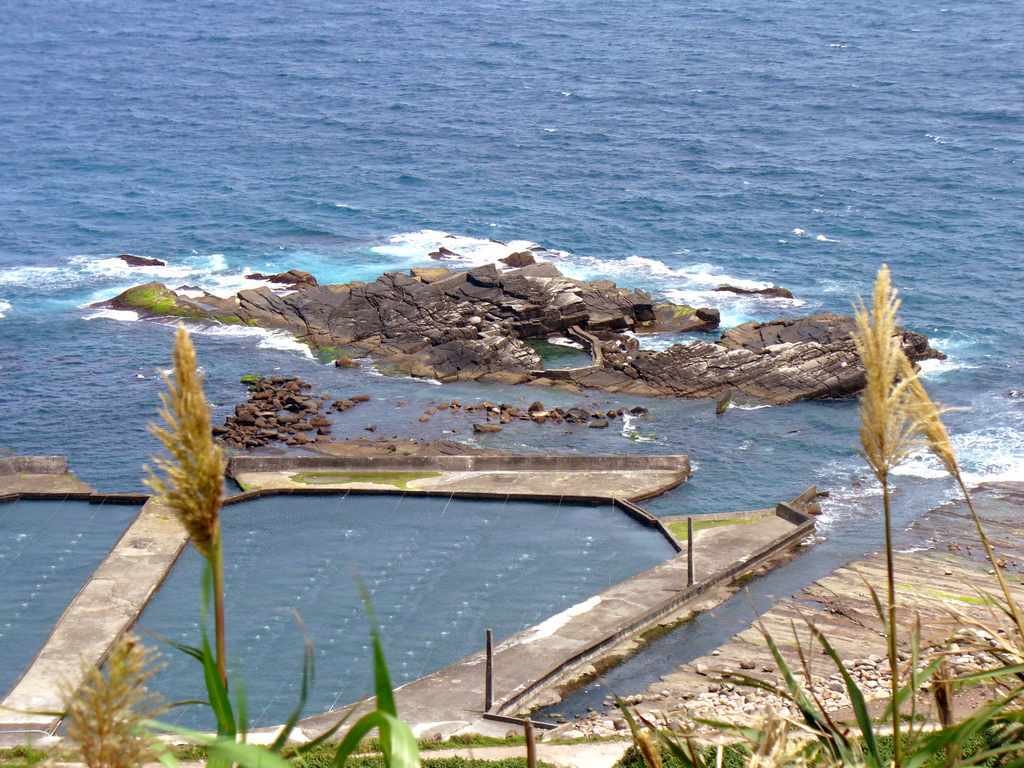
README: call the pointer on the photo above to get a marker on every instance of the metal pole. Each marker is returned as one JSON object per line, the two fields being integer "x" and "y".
{"x": 689, "y": 551}
{"x": 489, "y": 673}
{"x": 531, "y": 744}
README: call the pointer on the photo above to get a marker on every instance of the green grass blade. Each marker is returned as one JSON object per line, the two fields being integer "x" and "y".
{"x": 798, "y": 697}
{"x": 224, "y": 751}
{"x": 241, "y": 710}
{"x": 381, "y": 677}
{"x": 323, "y": 737}
{"x": 396, "y": 740}
{"x": 860, "y": 709}
{"x": 308, "y": 669}
{"x": 220, "y": 703}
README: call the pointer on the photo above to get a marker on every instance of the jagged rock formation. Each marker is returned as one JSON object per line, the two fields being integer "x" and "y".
{"x": 774, "y": 292}
{"x": 435, "y": 322}
{"x": 778, "y": 362}
{"x": 473, "y": 325}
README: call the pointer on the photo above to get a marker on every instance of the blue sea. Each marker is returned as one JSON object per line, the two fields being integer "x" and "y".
{"x": 671, "y": 146}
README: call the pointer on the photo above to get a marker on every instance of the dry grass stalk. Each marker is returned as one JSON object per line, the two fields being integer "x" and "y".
{"x": 649, "y": 748}
{"x": 887, "y": 433}
{"x": 928, "y": 417}
{"x": 104, "y": 716}
{"x": 192, "y": 481}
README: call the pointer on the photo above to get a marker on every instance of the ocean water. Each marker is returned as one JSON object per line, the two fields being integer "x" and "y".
{"x": 671, "y": 148}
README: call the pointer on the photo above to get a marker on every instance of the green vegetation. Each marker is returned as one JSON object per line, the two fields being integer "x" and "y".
{"x": 678, "y": 527}
{"x": 250, "y": 379}
{"x": 230, "y": 319}
{"x": 399, "y": 480}
{"x": 21, "y": 757}
{"x": 156, "y": 299}
{"x": 373, "y": 761}
{"x": 737, "y": 756}
{"x": 321, "y": 757}
{"x": 682, "y": 311}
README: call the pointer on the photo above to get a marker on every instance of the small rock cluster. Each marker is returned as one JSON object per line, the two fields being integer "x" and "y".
{"x": 280, "y": 409}
{"x": 537, "y": 412}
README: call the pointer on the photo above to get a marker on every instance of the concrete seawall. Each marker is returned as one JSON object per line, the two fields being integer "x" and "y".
{"x": 34, "y": 465}
{"x": 442, "y": 702}
{"x": 469, "y": 463}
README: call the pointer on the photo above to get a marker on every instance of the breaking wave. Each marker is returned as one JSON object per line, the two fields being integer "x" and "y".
{"x": 5, "y": 307}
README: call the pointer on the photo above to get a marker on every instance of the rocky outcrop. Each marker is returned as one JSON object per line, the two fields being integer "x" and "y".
{"x": 775, "y": 292}
{"x": 293, "y": 277}
{"x": 280, "y": 409}
{"x": 141, "y": 261}
{"x": 474, "y": 324}
{"x": 778, "y": 362}
{"x": 470, "y": 324}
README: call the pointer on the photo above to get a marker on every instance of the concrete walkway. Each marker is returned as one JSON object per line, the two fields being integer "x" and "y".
{"x": 628, "y": 484}
{"x": 38, "y": 474}
{"x": 941, "y": 571}
{"x": 107, "y": 605}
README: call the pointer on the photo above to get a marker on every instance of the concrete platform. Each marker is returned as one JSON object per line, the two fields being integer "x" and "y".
{"x": 941, "y": 571}
{"x": 634, "y": 485}
{"x": 631, "y": 477}
{"x": 38, "y": 474}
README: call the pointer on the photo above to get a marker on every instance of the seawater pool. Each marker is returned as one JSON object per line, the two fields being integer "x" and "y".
{"x": 48, "y": 550}
{"x": 439, "y": 571}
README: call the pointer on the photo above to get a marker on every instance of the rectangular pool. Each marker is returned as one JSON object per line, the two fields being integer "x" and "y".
{"x": 48, "y": 549}
{"x": 439, "y": 570}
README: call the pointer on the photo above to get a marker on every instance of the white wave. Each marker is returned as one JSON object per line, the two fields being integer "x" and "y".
{"x": 630, "y": 431}
{"x": 936, "y": 369}
{"x": 734, "y": 308}
{"x": 5, "y": 307}
{"x": 24, "y": 276}
{"x": 114, "y": 267}
{"x": 268, "y": 339}
{"x": 121, "y": 315}
{"x": 986, "y": 455}
{"x": 562, "y": 341}
{"x": 210, "y": 272}
{"x": 750, "y": 407}
{"x": 821, "y": 237}
{"x": 466, "y": 251}
{"x": 659, "y": 342}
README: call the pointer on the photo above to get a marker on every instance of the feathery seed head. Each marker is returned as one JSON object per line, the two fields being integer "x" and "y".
{"x": 887, "y": 428}
{"x": 104, "y": 715}
{"x": 191, "y": 481}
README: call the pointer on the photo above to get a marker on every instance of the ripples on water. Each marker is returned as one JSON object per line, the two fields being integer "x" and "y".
{"x": 674, "y": 149}
{"x": 439, "y": 572}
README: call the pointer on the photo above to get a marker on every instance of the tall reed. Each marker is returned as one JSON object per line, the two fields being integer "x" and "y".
{"x": 105, "y": 716}
{"x": 191, "y": 480}
{"x": 887, "y": 432}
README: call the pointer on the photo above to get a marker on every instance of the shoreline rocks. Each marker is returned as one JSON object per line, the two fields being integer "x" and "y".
{"x": 141, "y": 261}
{"x": 280, "y": 409}
{"x": 293, "y": 277}
{"x": 474, "y": 325}
{"x": 774, "y": 292}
